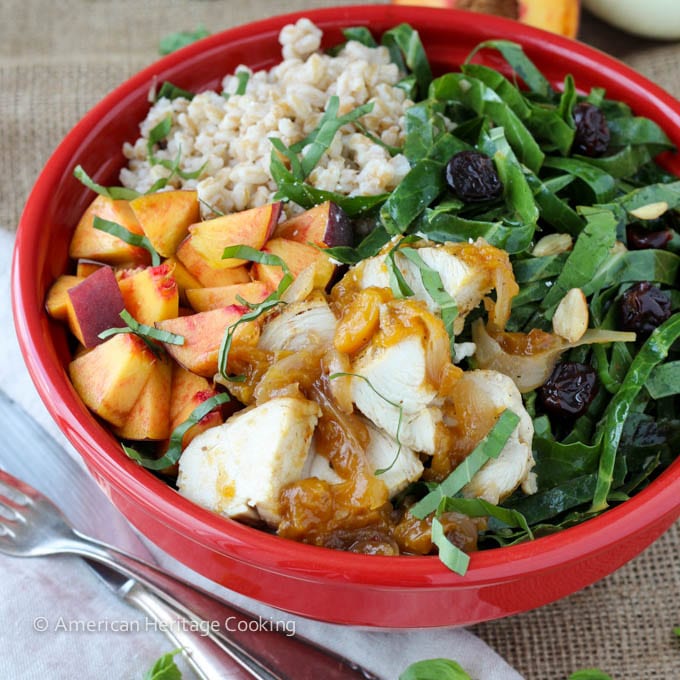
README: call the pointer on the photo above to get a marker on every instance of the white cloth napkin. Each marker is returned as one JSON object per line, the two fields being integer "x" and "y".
{"x": 62, "y": 590}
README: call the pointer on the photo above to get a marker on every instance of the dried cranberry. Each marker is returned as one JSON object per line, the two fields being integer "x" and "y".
{"x": 569, "y": 389}
{"x": 643, "y": 308}
{"x": 473, "y": 177}
{"x": 592, "y": 132}
{"x": 640, "y": 238}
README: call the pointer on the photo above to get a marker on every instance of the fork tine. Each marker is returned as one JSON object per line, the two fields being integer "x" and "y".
{"x": 11, "y": 511}
{"x": 20, "y": 492}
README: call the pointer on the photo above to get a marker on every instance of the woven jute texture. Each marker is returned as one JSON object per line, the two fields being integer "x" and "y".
{"x": 58, "y": 59}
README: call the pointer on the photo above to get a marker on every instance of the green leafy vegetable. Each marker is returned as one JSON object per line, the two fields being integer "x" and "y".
{"x": 590, "y": 251}
{"x": 175, "y": 41}
{"x": 435, "y": 669}
{"x": 406, "y": 50}
{"x": 590, "y": 674}
{"x": 164, "y": 668}
{"x": 653, "y": 352}
{"x": 126, "y": 235}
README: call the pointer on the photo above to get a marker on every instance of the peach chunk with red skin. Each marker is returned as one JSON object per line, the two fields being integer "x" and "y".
{"x": 94, "y": 305}
{"x": 324, "y": 225}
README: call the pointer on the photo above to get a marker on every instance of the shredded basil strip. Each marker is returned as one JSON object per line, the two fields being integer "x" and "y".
{"x": 143, "y": 331}
{"x": 119, "y": 231}
{"x": 489, "y": 447}
{"x": 157, "y": 134}
{"x": 610, "y": 428}
{"x": 450, "y": 555}
{"x": 313, "y": 147}
{"x": 174, "y": 451}
{"x": 243, "y": 252}
{"x": 170, "y": 91}
{"x": 114, "y": 193}
{"x": 242, "y": 77}
{"x": 399, "y": 407}
{"x": 478, "y": 507}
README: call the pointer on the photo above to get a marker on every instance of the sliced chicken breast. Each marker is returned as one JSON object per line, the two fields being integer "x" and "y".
{"x": 241, "y": 466}
{"x": 467, "y": 271}
{"x": 300, "y": 325}
{"x": 502, "y": 475}
{"x": 382, "y": 452}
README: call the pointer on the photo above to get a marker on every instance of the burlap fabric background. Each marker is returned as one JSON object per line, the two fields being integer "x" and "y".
{"x": 57, "y": 59}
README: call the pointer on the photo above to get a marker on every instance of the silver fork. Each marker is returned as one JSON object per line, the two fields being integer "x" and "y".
{"x": 31, "y": 525}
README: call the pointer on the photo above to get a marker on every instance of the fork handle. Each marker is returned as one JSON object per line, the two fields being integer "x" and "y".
{"x": 257, "y": 644}
{"x": 206, "y": 658}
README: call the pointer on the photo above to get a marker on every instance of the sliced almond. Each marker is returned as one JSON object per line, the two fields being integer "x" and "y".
{"x": 650, "y": 211}
{"x": 570, "y": 320}
{"x": 552, "y": 244}
{"x": 618, "y": 247}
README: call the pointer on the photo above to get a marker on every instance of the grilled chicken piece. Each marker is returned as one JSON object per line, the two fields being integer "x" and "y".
{"x": 239, "y": 468}
{"x": 300, "y": 325}
{"x": 382, "y": 452}
{"x": 487, "y": 394}
{"x": 396, "y": 377}
{"x": 468, "y": 272}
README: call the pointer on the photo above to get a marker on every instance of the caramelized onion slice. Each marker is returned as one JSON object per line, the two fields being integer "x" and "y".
{"x": 531, "y": 370}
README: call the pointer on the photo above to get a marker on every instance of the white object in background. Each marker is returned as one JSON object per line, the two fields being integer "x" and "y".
{"x": 658, "y": 19}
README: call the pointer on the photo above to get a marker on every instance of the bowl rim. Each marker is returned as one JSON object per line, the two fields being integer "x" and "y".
{"x": 112, "y": 469}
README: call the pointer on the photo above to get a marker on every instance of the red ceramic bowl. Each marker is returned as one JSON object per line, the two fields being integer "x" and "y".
{"x": 316, "y": 582}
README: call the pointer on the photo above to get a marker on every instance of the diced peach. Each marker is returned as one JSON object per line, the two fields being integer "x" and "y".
{"x": 57, "y": 301}
{"x": 558, "y": 16}
{"x": 204, "y": 299}
{"x": 86, "y": 267}
{"x": 94, "y": 244}
{"x": 94, "y": 305}
{"x": 297, "y": 256}
{"x": 165, "y": 217}
{"x": 150, "y": 294}
{"x": 188, "y": 392}
{"x": 110, "y": 377}
{"x": 183, "y": 278}
{"x": 324, "y": 225}
{"x": 249, "y": 228}
{"x": 149, "y": 417}
{"x": 207, "y": 275}
{"x": 203, "y": 333}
